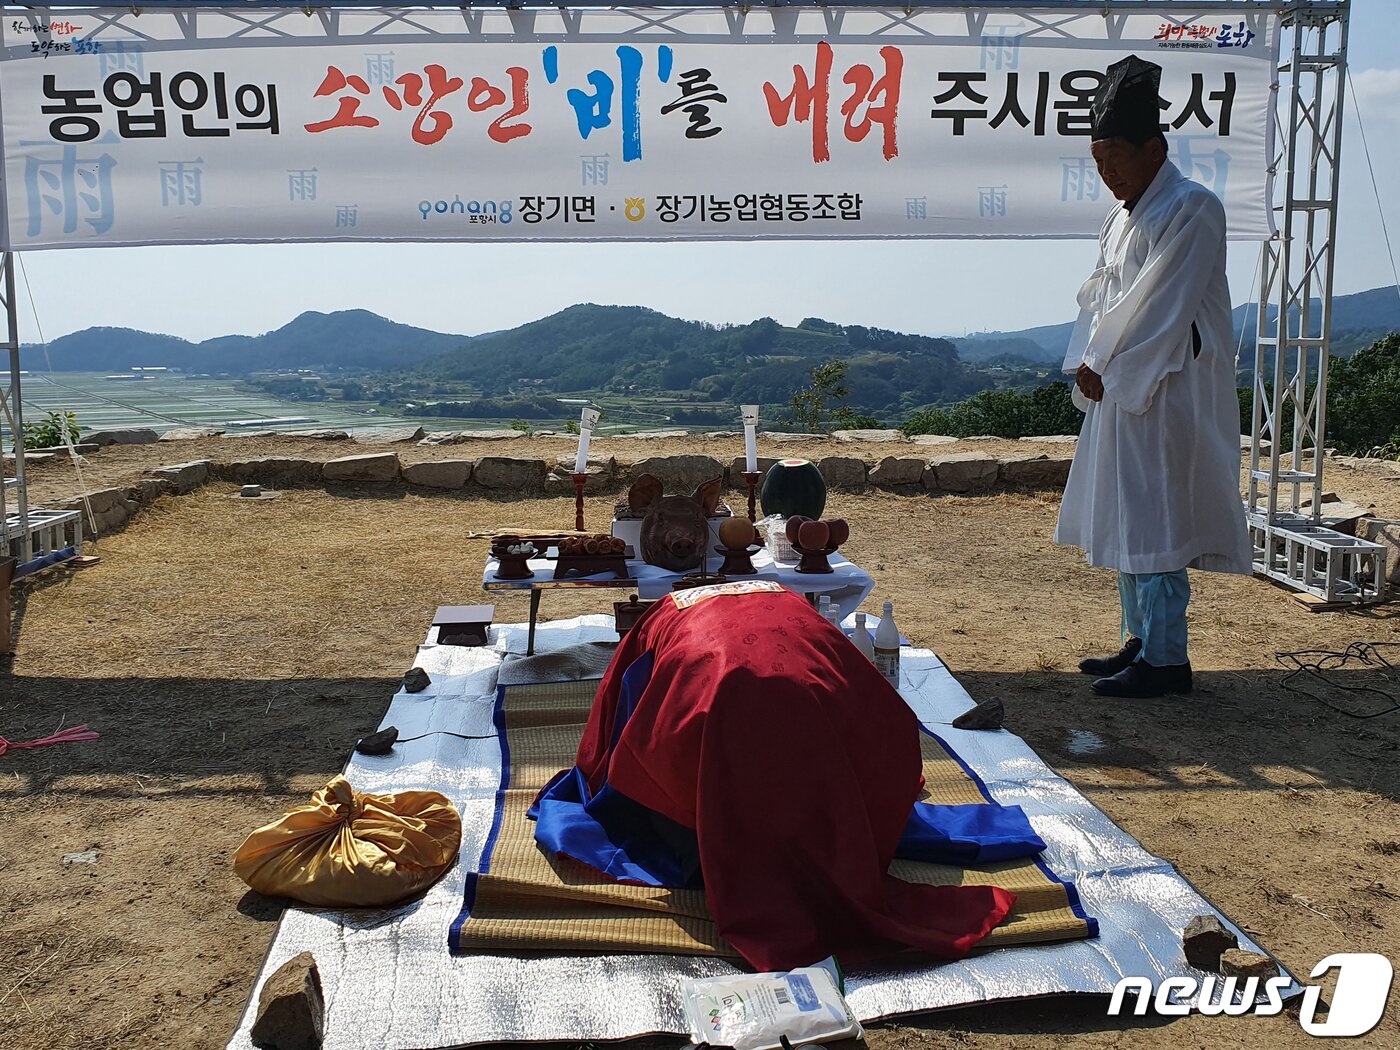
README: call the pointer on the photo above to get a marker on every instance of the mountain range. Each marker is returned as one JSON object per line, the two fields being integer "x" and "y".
{"x": 1358, "y": 320}
{"x": 351, "y": 339}
{"x": 631, "y": 350}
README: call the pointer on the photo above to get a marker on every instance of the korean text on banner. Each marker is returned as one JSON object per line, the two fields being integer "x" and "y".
{"x": 125, "y": 128}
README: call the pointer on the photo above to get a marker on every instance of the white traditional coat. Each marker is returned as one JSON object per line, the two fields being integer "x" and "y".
{"x": 1155, "y": 482}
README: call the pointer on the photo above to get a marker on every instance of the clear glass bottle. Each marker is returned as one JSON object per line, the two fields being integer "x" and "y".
{"x": 862, "y": 638}
{"x": 824, "y": 607}
{"x": 887, "y": 646}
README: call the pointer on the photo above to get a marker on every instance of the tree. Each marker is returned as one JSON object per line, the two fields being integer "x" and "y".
{"x": 52, "y": 430}
{"x": 1002, "y": 413}
{"x": 812, "y": 404}
{"x": 1363, "y": 399}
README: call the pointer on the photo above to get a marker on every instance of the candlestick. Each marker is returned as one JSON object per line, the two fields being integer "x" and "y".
{"x": 751, "y": 479}
{"x": 587, "y": 420}
{"x": 750, "y": 415}
{"x": 580, "y": 480}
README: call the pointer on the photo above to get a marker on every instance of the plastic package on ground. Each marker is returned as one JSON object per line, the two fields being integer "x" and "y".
{"x": 755, "y": 1011}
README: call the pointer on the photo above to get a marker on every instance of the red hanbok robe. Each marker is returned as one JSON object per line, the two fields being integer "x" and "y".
{"x": 766, "y": 732}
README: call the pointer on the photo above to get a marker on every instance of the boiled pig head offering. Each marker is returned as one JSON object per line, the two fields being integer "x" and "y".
{"x": 675, "y": 529}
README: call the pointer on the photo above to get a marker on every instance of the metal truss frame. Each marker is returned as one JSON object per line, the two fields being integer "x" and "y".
{"x": 1293, "y": 331}
{"x": 1294, "y": 325}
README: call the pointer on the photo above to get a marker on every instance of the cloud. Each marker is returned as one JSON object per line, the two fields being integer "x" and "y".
{"x": 1376, "y": 93}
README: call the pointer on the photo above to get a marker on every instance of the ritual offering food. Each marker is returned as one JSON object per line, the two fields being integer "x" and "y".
{"x": 738, "y": 533}
{"x": 602, "y": 544}
{"x": 590, "y": 555}
{"x": 793, "y": 486}
{"x": 814, "y": 540}
{"x": 676, "y": 529}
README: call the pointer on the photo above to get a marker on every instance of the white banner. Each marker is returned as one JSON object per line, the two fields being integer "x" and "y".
{"x": 173, "y": 128}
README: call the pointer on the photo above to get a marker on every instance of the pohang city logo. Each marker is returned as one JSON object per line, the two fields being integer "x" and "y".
{"x": 1363, "y": 988}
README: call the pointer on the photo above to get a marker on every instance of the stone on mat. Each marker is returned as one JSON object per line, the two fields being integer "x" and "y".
{"x": 988, "y": 714}
{"x": 291, "y": 1008}
{"x": 1239, "y": 963}
{"x": 1205, "y": 940}
{"x": 415, "y": 680}
{"x": 380, "y": 743}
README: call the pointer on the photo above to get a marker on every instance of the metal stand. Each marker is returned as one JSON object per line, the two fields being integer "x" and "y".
{"x": 35, "y": 538}
{"x": 580, "y": 480}
{"x": 1294, "y": 328}
{"x": 751, "y": 480}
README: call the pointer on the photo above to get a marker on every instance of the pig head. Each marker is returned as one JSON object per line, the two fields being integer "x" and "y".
{"x": 675, "y": 529}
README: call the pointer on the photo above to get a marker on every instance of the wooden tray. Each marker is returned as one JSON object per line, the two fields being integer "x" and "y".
{"x": 567, "y": 565}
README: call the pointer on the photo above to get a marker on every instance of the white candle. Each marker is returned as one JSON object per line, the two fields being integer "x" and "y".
{"x": 585, "y": 432}
{"x": 750, "y": 438}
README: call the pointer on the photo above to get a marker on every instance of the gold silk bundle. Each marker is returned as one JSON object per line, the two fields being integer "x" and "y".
{"x": 351, "y": 850}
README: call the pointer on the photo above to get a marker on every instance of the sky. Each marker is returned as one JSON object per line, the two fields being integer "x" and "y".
{"x": 934, "y": 287}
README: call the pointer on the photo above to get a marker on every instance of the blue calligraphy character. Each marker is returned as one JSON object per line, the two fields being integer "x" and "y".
{"x": 593, "y": 109}
{"x": 181, "y": 183}
{"x": 69, "y": 185}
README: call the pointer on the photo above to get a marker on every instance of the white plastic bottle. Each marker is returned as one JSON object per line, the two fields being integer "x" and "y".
{"x": 862, "y": 638}
{"x": 887, "y": 646}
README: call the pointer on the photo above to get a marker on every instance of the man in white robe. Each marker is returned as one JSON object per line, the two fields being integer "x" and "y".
{"x": 1154, "y": 488}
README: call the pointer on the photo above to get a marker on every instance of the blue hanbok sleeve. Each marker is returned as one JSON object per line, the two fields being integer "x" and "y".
{"x": 979, "y": 833}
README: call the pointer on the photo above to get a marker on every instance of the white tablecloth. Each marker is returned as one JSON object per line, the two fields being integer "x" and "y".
{"x": 847, "y": 585}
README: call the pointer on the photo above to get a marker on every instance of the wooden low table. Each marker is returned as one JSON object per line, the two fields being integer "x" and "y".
{"x": 847, "y": 584}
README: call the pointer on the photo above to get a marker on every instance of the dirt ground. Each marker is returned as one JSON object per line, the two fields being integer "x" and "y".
{"x": 231, "y": 652}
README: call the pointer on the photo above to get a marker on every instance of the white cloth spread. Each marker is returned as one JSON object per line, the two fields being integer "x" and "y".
{"x": 1155, "y": 481}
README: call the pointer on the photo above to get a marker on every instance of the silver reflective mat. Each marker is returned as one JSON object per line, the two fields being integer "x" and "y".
{"x": 391, "y": 984}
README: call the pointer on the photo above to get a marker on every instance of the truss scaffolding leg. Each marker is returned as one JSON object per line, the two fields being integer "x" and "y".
{"x": 1294, "y": 326}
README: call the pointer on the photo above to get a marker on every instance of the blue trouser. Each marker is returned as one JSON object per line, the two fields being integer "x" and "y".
{"x": 1154, "y": 609}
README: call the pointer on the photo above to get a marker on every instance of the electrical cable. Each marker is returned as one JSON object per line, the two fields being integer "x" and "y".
{"x": 1366, "y": 148}
{"x": 1317, "y": 663}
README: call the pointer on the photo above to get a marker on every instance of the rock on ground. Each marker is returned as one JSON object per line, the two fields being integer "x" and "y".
{"x": 1040, "y": 472}
{"x": 868, "y": 435}
{"x": 843, "y": 472}
{"x": 681, "y": 475}
{"x": 191, "y": 433}
{"x": 505, "y": 472}
{"x": 183, "y": 477}
{"x": 388, "y": 435}
{"x": 457, "y": 437}
{"x": 1237, "y": 962}
{"x": 1386, "y": 533}
{"x": 1205, "y": 940}
{"x": 893, "y": 471}
{"x": 439, "y": 473}
{"x": 377, "y": 467}
{"x": 269, "y": 471}
{"x": 121, "y": 437}
{"x": 962, "y": 472}
{"x": 291, "y": 1007}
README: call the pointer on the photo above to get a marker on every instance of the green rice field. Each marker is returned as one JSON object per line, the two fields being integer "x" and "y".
{"x": 170, "y": 401}
{"x": 166, "y": 401}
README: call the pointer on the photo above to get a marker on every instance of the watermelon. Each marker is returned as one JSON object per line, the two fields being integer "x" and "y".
{"x": 794, "y": 486}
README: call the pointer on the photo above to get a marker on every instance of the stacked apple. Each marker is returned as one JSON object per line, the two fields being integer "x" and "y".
{"x": 808, "y": 535}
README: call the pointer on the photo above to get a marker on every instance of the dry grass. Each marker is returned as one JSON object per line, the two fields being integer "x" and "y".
{"x": 230, "y": 653}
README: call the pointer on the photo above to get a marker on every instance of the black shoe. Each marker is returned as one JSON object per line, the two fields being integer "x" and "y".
{"x": 1142, "y": 681}
{"x": 1104, "y": 666}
